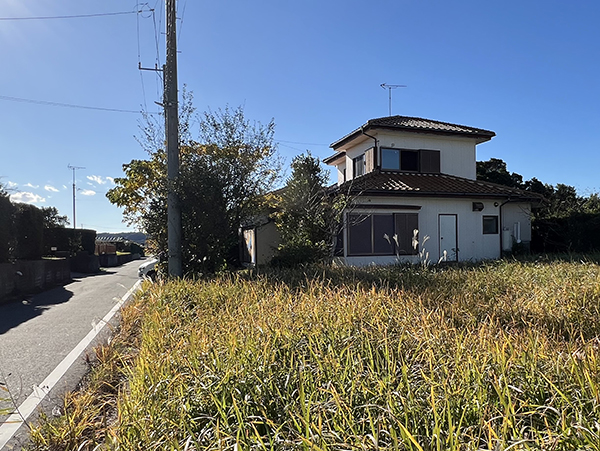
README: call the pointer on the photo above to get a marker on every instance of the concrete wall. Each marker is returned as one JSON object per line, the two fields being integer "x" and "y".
{"x": 457, "y": 155}
{"x": 36, "y": 275}
{"x": 473, "y": 245}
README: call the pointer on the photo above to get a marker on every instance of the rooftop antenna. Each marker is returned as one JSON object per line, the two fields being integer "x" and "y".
{"x": 74, "y": 168}
{"x": 389, "y": 88}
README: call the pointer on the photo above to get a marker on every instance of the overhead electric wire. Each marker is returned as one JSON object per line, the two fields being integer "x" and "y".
{"x": 156, "y": 40}
{"x": 305, "y": 144}
{"x": 68, "y": 105}
{"x": 78, "y": 16}
{"x": 137, "y": 20}
{"x": 181, "y": 21}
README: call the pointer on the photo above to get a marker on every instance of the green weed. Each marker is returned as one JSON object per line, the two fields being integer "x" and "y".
{"x": 493, "y": 356}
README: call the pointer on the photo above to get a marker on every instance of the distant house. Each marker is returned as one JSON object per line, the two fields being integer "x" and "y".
{"x": 418, "y": 176}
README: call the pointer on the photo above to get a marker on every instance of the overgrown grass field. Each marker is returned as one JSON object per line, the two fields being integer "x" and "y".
{"x": 495, "y": 356}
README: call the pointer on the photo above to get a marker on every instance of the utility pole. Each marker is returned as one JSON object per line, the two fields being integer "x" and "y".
{"x": 389, "y": 88}
{"x": 74, "y": 168}
{"x": 172, "y": 134}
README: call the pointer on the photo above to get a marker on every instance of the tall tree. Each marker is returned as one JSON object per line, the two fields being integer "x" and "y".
{"x": 494, "y": 170}
{"x": 223, "y": 173}
{"x": 309, "y": 217}
{"x": 53, "y": 219}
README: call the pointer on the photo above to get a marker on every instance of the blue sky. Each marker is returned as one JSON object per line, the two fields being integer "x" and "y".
{"x": 526, "y": 70}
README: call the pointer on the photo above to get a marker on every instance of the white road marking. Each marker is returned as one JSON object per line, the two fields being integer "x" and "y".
{"x": 15, "y": 420}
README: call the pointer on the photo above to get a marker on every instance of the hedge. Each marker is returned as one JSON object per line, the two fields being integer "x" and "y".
{"x": 29, "y": 232}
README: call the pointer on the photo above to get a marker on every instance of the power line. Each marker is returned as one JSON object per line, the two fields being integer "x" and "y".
{"x": 181, "y": 20}
{"x": 137, "y": 19}
{"x": 304, "y": 144}
{"x": 67, "y": 105}
{"x": 157, "y": 62}
{"x": 78, "y": 16}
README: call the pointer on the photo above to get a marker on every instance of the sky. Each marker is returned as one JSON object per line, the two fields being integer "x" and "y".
{"x": 528, "y": 70}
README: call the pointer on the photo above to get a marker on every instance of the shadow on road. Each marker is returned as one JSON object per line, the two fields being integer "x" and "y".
{"x": 15, "y": 313}
{"x": 79, "y": 275}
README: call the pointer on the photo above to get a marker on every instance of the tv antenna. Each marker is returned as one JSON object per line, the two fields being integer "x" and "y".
{"x": 389, "y": 88}
{"x": 74, "y": 168}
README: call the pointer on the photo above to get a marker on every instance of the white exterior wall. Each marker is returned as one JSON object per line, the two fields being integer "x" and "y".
{"x": 515, "y": 217}
{"x": 457, "y": 155}
{"x": 473, "y": 245}
{"x": 340, "y": 172}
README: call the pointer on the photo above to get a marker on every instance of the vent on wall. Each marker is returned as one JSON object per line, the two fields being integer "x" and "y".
{"x": 477, "y": 206}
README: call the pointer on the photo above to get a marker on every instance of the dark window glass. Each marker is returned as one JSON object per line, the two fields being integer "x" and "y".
{"x": 406, "y": 224}
{"x": 374, "y": 234}
{"x": 390, "y": 159}
{"x": 383, "y": 234}
{"x": 359, "y": 235}
{"x": 359, "y": 165}
{"x": 409, "y": 160}
{"x": 490, "y": 225}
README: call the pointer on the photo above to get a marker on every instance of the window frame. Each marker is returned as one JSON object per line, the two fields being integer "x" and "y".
{"x": 428, "y": 161}
{"x": 359, "y": 162}
{"x": 496, "y": 224}
{"x": 355, "y": 223}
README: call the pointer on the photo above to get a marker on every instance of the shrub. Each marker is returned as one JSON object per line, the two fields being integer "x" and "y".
{"x": 294, "y": 254}
{"x": 29, "y": 232}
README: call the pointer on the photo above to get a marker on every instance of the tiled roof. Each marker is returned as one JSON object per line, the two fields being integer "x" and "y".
{"x": 418, "y": 125}
{"x": 438, "y": 185}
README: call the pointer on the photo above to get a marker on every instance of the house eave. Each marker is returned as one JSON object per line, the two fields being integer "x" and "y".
{"x": 334, "y": 158}
{"x": 479, "y": 135}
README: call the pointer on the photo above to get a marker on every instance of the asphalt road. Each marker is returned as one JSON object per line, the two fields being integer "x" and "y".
{"x": 37, "y": 333}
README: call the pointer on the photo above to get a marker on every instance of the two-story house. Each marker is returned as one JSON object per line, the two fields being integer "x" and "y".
{"x": 408, "y": 174}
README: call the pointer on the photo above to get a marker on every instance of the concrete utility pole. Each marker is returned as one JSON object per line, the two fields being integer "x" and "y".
{"x": 172, "y": 135}
{"x": 74, "y": 168}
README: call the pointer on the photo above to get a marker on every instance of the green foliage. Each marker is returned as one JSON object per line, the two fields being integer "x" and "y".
{"x": 222, "y": 176}
{"x": 564, "y": 222}
{"x": 308, "y": 218}
{"x": 293, "y": 254}
{"x": 6, "y": 225}
{"x": 53, "y": 219}
{"x": 494, "y": 170}
{"x": 69, "y": 241}
{"x": 29, "y": 232}
{"x": 492, "y": 356}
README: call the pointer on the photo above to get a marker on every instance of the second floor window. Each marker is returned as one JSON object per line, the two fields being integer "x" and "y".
{"x": 358, "y": 165}
{"x": 427, "y": 161}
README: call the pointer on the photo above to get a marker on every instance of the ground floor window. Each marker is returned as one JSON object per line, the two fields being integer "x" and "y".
{"x": 382, "y": 233}
{"x": 490, "y": 225}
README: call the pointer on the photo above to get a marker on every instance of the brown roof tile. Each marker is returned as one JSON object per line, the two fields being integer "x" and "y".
{"x": 418, "y": 125}
{"x": 437, "y": 185}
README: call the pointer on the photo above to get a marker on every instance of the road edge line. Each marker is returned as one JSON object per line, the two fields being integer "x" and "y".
{"x": 27, "y": 407}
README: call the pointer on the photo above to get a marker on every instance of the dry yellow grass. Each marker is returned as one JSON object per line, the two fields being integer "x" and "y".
{"x": 492, "y": 356}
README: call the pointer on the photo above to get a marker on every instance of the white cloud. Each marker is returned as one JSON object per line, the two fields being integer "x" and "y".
{"x": 27, "y": 198}
{"x": 11, "y": 185}
{"x": 50, "y": 188}
{"x": 88, "y": 192}
{"x": 97, "y": 179}
{"x": 64, "y": 186}
{"x": 29, "y": 185}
